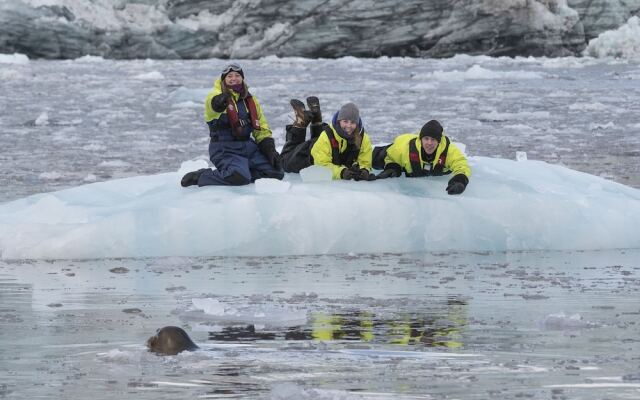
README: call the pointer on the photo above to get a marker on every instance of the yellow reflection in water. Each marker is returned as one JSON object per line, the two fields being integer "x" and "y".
{"x": 437, "y": 328}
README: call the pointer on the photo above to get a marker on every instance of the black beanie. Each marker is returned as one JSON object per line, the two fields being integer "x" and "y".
{"x": 432, "y": 129}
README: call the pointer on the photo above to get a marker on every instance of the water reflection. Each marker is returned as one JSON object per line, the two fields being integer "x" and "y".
{"x": 465, "y": 326}
{"x": 442, "y": 326}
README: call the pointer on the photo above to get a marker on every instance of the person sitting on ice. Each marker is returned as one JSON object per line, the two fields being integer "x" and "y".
{"x": 343, "y": 145}
{"x": 429, "y": 153}
{"x": 234, "y": 115}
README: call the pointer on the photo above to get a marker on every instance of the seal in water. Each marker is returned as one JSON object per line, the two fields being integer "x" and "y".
{"x": 170, "y": 341}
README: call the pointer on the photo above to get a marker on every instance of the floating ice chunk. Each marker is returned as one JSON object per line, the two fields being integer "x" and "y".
{"x": 316, "y": 173}
{"x": 114, "y": 163}
{"x": 43, "y": 119}
{"x": 265, "y": 186}
{"x": 183, "y": 94}
{"x": 89, "y": 58}
{"x": 563, "y": 321}
{"x": 521, "y": 156}
{"x": 595, "y": 106}
{"x": 596, "y": 126}
{"x": 623, "y": 42}
{"x": 188, "y": 104}
{"x": 15, "y": 58}
{"x": 150, "y": 76}
{"x": 498, "y": 116}
{"x": 153, "y": 216}
{"x": 478, "y": 72}
{"x": 50, "y": 176}
{"x": 209, "y": 306}
{"x": 258, "y": 315}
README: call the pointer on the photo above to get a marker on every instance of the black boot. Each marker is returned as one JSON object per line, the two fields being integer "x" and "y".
{"x": 303, "y": 117}
{"x": 295, "y": 134}
{"x": 191, "y": 178}
{"x": 314, "y": 106}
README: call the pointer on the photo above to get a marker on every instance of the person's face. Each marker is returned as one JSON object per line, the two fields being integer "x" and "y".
{"x": 233, "y": 78}
{"x": 429, "y": 144}
{"x": 348, "y": 126}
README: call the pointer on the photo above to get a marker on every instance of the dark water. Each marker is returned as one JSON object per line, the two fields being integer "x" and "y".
{"x": 540, "y": 325}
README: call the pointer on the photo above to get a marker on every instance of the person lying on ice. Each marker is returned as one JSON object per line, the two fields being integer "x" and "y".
{"x": 343, "y": 145}
{"x": 430, "y": 153}
{"x": 233, "y": 116}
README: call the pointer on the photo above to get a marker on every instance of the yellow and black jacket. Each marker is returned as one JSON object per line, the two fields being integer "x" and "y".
{"x": 405, "y": 154}
{"x": 249, "y": 113}
{"x": 334, "y": 151}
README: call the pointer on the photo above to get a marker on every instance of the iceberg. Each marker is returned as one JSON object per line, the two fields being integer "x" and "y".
{"x": 508, "y": 206}
{"x": 623, "y": 42}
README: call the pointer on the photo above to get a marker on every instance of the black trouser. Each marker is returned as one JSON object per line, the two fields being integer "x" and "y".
{"x": 296, "y": 152}
{"x": 379, "y": 153}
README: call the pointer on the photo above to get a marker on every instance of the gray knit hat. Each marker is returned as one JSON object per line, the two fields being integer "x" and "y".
{"x": 349, "y": 112}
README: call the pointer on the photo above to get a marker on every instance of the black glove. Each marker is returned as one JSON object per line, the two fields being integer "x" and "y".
{"x": 347, "y": 174}
{"x": 219, "y": 102}
{"x": 361, "y": 174}
{"x": 268, "y": 147}
{"x": 388, "y": 173}
{"x": 457, "y": 184}
{"x": 455, "y": 188}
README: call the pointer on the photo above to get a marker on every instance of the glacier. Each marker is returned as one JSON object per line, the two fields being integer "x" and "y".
{"x": 187, "y": 29}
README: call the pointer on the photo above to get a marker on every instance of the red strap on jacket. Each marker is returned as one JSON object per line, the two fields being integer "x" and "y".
{"x": 234, "y": 119}
{"x": 253, "y": 112}
{"x": 416, "y": 166}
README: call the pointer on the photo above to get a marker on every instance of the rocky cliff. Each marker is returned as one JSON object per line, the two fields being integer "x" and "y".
{"x": 306, "y": 28}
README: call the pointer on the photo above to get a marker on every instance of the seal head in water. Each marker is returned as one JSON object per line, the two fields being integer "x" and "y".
{"x": 170, "y": 341}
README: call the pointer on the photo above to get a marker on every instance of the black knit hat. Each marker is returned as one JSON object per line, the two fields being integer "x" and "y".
{"x": 232, "y": 67}
{"x": 432, "y": 129}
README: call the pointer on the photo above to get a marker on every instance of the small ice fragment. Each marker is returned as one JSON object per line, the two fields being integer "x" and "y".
{"x": 270, "y": 185}
{"x": 521, "y": 156}
{"x": 153, "y": 75}
{"x": 43, "y": 119}
{"x": 561, "y": 321}
{"x": 209, "y": 306}
{"x": 316, "y": 173}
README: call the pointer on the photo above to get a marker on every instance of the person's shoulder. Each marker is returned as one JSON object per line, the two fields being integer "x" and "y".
{"x": 328, "y": 130}
{"x": 254, "y": 97}
{"x": 405, "y": 137}
{"x": 452, "y": 146}
{"x": 217, "y": 86}
{"x": 446, "y": 139}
